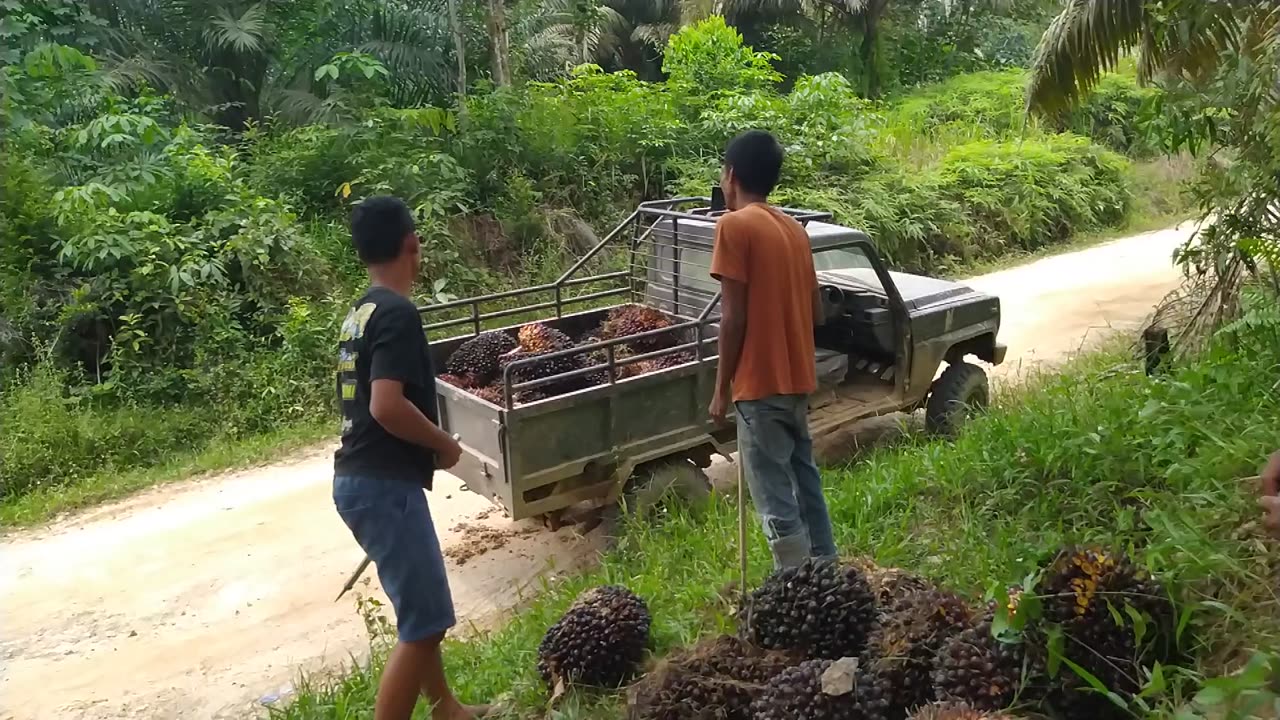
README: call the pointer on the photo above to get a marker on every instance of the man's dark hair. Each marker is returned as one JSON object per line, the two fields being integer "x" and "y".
{"x": 379, "y": 225}
{"x": 755, "y": 157}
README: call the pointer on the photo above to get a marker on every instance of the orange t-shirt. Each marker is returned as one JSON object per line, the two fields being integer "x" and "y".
{"x": 769, "y": 252}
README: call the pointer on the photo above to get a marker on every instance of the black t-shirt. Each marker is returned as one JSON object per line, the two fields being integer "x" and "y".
{"x": 382, "y": 339}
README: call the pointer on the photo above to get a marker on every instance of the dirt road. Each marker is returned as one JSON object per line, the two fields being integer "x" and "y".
{"x": 198, "y": 599}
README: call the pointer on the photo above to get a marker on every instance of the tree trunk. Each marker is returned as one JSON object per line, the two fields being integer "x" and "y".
{"x": 501, "y": 43}
{"x": 459, "y": 46}
{"x": 869, "y": 51}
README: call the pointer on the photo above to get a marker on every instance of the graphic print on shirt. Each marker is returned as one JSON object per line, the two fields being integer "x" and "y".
{"x": 352, "y": 329}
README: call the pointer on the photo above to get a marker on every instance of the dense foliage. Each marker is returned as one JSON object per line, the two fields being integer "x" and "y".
{"x": 156, "y": 265}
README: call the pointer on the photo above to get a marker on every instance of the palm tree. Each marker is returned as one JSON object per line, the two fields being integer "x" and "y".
{"x": 238, "y": 61}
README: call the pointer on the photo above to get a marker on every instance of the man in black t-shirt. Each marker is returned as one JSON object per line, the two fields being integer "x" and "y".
{"x": 391, "y": 446}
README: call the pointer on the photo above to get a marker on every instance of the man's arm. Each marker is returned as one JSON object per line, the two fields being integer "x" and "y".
{"x": 396, "y": 359}
{"x": 733, "y": 329}
{"x": 400, "y": 417}
{"x": 729, "y": 267}
{"x": 819, "y": 310}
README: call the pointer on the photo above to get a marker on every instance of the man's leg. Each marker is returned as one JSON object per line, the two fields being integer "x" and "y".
{"x": 813, "y": 504}
{"x": 391, "y": 521}
{"x": 765, "y": 447}
{"x": 416, "y": 668}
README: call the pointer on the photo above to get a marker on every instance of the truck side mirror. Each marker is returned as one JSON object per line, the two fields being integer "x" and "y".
{"x": 717, "y": 199}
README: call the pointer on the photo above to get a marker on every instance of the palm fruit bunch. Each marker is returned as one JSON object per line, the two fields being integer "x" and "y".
{"x": 600, "y": 641}
{"x": 891, "y": 586}
{"x": 975, "y": 667}
{"x": 675, "y": 359}
{"x": 903, "y": 649}
{"x": 490, "y": 393}
{"x": 465, "y": 382}
{"x": 1085, "y": 591}
{"x": 601, "y": 357}
{"x": 628, "y": 320}
{"x": 798, "y": 693}
{"x": 477, "y": 358}
{"x": 956, "y": 711}
{"x": 540, "y": 339}
{"x": 819, "y": 608}
{"x": 715, "y": 681}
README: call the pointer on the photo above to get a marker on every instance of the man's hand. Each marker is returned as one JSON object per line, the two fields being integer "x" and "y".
{"x": 1269, "y": 500}
{"x": 448, "y": 455}
{"x": 719, "y": 409}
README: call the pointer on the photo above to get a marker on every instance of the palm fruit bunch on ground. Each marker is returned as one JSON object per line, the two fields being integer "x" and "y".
{"x": 820, "y": 609}
{"x": 975, "y": 667}
{"x": 538, "y": 339}
{"x": 1093, "y": 595}
{"x": 890, "y": 586}
{"x": 476, "y": 360}
{"x": 628, "y": 320}
{"x": 798, "y": 692}
{"x": 903, "y": 649}
{"x": 717, "y": 680}
{"x": 956, "y": 711}
{"x": 600, "y": 641}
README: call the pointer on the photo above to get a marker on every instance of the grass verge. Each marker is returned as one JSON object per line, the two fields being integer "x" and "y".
{"x": 1099, "y": 453}
{"x": 47, "y": 503}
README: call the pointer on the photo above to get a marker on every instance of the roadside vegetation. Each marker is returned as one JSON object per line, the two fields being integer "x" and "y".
{"x": 173, "y": 252}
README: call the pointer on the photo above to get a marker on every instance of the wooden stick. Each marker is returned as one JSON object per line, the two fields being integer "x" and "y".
{"x": 351, "y": 581}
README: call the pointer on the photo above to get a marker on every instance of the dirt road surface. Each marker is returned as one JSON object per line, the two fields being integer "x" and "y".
{"x": 198, "y": 600}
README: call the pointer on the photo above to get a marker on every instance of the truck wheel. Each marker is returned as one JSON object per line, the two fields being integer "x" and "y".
{"x": 958, "y": 394}
{"x": 650, "y": 486}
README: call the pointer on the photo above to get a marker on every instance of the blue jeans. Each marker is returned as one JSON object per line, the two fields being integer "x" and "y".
{"x": 390, "y": 519}
{"x": 777, "y": 455}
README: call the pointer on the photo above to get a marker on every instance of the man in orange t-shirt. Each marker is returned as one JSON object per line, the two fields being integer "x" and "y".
{"x": 767, "y": 368}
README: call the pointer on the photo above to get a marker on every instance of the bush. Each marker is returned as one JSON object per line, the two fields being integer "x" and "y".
{"x": 1029, "y": 194}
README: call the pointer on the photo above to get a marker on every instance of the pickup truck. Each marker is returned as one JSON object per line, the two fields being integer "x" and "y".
{"x": 884, "y": 338}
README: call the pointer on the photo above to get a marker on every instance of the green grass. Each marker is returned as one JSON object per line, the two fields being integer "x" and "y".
{"x": 46, "y": 503}
{"x": 1100, "y": 453}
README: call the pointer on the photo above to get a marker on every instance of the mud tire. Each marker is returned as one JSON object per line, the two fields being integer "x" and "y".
{"x": 957, "y": 395}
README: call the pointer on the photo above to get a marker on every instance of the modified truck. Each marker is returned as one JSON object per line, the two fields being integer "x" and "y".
{"x": 884, "y": 337}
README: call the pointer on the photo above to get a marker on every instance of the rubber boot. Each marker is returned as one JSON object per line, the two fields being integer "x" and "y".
{"x": 790, "y": 551}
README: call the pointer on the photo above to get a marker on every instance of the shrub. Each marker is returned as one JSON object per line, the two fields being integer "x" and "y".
{"x": 1032, "y": 193}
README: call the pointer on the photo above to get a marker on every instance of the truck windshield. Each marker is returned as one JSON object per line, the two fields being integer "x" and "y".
{"x": 841, "y": 259}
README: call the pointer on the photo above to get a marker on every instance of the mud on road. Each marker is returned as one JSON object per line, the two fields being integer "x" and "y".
{"x": 197, "y": 599}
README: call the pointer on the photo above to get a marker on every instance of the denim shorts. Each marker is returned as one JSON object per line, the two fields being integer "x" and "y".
{"x": 390, "y": 520}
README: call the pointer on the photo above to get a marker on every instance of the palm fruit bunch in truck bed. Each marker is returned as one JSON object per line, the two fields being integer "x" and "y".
{"x": 536, "y": 340}
{"x": 475, "y": 362}
{"x": 629, "y": 320}
{"x": 600, "y": 641}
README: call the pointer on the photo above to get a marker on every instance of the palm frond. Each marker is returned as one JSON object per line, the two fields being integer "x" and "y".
{"x": 655, "y": 35}
{"x": 1085, "y": 40}
{"x": 244, "y": 34}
